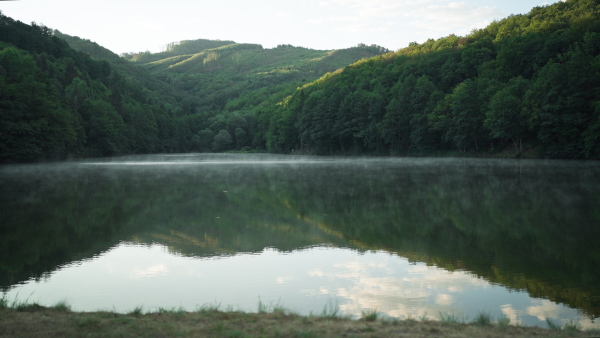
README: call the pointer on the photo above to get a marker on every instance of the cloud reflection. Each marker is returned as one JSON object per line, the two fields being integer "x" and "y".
{"x": 399, "y": 291}
{"x": 151, "y": 271}
{"x": 511, "y": 314}
{"x": 395, "y": 287}
{"x": 303, "y": 280}
{"x": 544, "y": 309}
{"x": 283, "y": 279}
{"x": 444, "y": 299}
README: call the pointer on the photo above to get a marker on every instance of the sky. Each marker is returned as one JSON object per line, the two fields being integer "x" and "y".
{"x": 134, "y": 26}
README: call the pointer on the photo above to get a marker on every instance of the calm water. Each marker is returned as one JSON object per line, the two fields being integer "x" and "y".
{"x": 406, "y": 237}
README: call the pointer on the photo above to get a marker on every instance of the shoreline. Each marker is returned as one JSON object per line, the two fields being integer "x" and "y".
{"x": 33, "y": 320}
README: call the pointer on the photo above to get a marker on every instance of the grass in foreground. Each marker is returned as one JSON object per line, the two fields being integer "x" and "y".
{"x": 270, "y": 321}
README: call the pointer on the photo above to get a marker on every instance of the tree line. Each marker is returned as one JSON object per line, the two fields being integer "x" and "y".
{"x": 528, "y": 84}
{"x": 233, "y": 83}
{"x": 66, "y": 97}
{"x": 58, "y": 103}
{"x": 525, "y": 85}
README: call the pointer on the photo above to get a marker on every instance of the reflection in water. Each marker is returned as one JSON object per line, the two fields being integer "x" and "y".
{"x": 131, "y": 275}
{"x": 408, "y": 237}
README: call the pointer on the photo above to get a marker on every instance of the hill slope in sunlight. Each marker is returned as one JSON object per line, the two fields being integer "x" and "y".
{"x": 528, "y": 85}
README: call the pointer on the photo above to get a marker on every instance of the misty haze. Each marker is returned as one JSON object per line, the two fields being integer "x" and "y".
{"x": 409, "y": 237}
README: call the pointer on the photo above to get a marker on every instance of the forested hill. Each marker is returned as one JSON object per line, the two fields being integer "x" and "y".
{"x": 57, "y": 103}
{"x": 528, "y": 84}
{"x": 176, "y": 49}
{"x": 237, "y": 84}
{"x": 66, "y": 97}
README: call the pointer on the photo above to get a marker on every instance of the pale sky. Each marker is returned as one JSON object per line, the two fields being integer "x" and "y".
{"x": 135, "y": 25}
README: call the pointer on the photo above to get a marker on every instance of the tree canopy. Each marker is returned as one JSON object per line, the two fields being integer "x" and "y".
{"x": 527, "y": 85}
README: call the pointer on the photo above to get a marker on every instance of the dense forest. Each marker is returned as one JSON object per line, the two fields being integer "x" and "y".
{"x": 58, "y": 103}
{"x": 527, "y": 85}
{"x": 67, "y": 97}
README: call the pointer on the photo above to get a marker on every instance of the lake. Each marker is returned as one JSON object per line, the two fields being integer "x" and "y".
{"x": 407, "y": 237}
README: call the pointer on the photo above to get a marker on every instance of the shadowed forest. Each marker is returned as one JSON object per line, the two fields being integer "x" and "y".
{"x": 526, "y": 85}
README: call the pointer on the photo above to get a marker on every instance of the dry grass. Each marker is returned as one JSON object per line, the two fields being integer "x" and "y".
{"x": 37, "y": 321}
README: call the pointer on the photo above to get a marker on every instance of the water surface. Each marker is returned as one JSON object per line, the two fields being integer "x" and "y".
{"x": 405, "y": 237}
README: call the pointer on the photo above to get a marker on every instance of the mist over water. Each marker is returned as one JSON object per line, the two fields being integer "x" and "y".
{"x": 408, "y": 237}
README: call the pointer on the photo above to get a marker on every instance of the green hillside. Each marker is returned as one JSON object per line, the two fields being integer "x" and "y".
{"x": 234, "y": 82}
{"x": 220, "y": 86}
{"x": 526, "y": 85}
{"x": 58, "y": 103}
{"x": 175, "y": 49}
